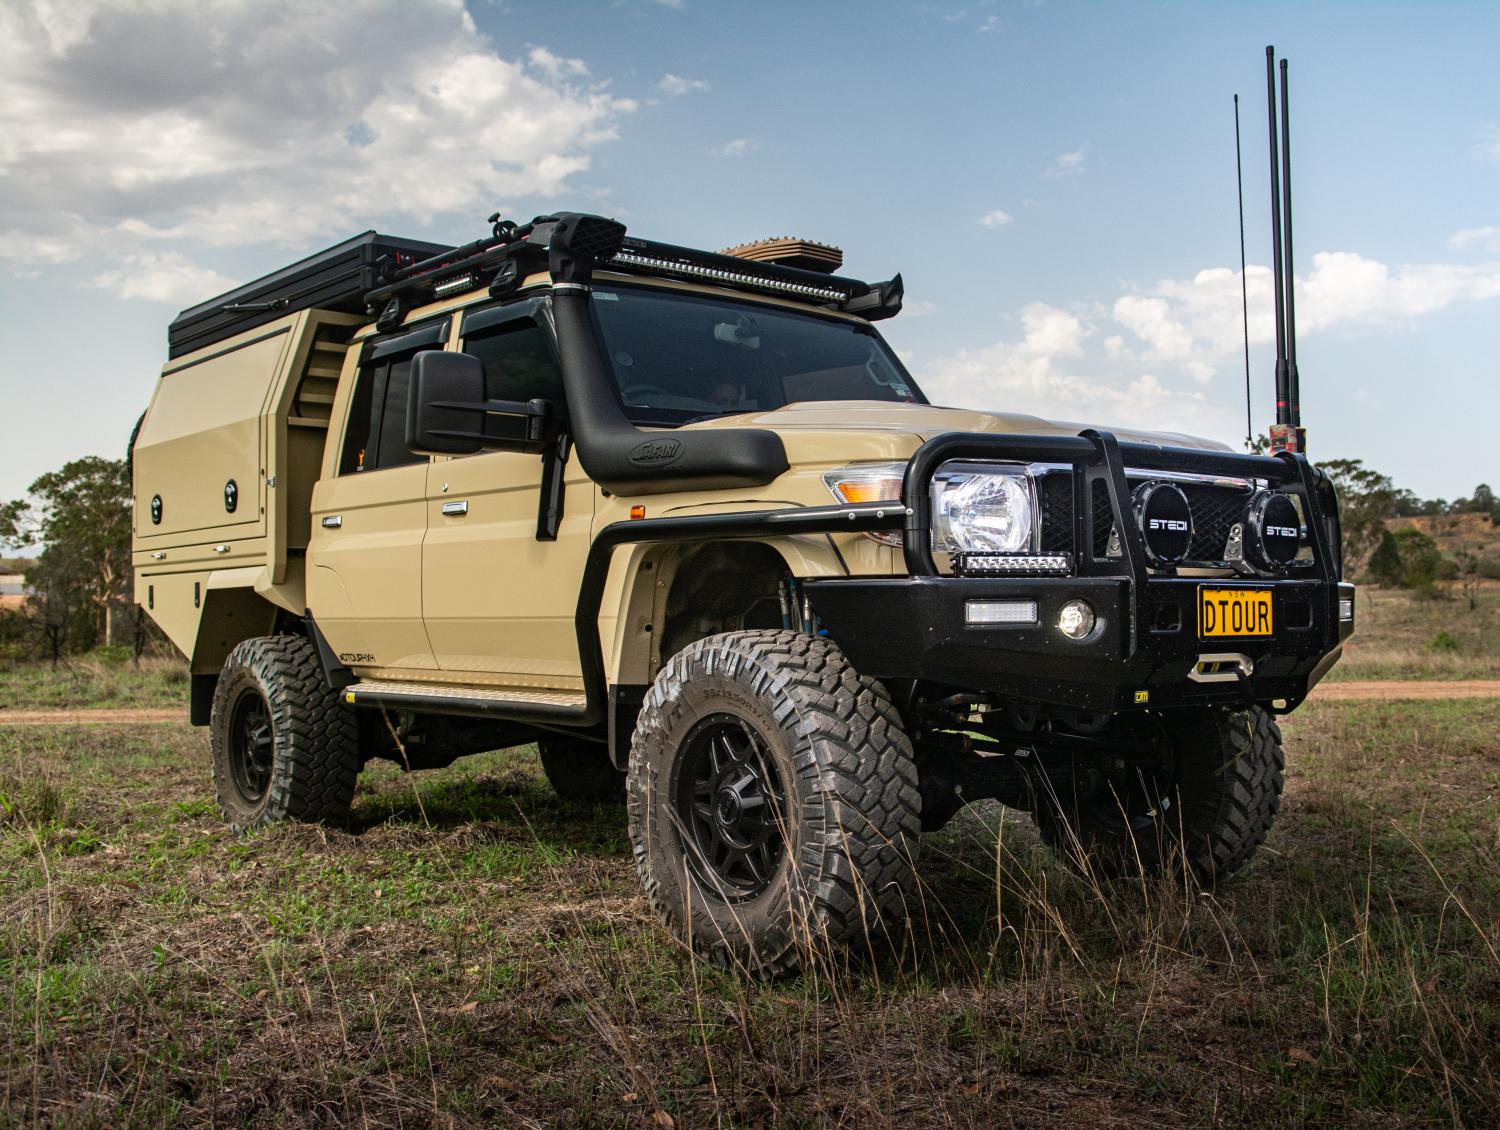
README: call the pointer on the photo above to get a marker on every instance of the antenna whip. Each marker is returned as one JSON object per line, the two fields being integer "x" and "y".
{"x": 1239, "y": 179}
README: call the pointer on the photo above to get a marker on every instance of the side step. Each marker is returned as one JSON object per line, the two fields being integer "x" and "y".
{"x": 516, "y": 704}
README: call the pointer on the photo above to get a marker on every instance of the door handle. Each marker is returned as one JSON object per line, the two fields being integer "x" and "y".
{"x": 333, "y": 521}
{"x": 456, "y": 509}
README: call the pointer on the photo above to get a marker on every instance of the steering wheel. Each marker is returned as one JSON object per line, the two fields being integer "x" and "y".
{"x": 630, "y": 392}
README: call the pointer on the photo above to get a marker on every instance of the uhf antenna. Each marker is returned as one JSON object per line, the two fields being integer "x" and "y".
{"x": 1239, "y": 185}
{"x": 1293, "y": 385}
{"x": 1286, "y": 433}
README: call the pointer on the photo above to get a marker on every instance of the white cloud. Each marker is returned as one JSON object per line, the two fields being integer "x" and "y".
{"x": 1487, "y": 143}
{"x": 1034, "y": 375}
{"x": 995, "y": 219}
{"x": 1067, "y": 164}
{"x": 163, "y": 277}
{"x": 1149, "y": 357}
{"x": 555, "y": 66}
{"x": 991, "y": 23}
{"x": 1484, "y": 239}
{"x": 176, "y": 123}
{"x": 739, "y": 147}
{"x": 674, "y": 86}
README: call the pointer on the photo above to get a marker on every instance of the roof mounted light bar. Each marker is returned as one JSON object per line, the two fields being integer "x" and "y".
{"x": 727, "y": 278}
{"x": 571, "y": 244}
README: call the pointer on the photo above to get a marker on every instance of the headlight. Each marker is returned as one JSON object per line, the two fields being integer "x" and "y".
{"x": 869, "y": 482}
{"x": 983, "y": 511}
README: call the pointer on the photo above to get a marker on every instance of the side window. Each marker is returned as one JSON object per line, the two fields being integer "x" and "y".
{"x": 376, "y": 435}
{"x": 519, "y": 363}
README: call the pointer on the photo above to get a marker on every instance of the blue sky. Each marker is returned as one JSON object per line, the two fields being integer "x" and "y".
{"x": 1054, "y": 180}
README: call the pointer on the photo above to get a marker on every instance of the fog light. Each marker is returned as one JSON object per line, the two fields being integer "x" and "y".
{"x": 1346, "y": 610}
{"x": 1076, "y": 619}
{"x": 1000, "y": 611}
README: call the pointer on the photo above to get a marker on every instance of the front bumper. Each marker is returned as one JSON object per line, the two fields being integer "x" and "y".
{"x": 1146, "y": 651}
{"x": 916, "y": 628}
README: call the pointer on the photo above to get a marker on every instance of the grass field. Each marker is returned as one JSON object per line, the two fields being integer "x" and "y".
{"x": 474, "y": 951}
{"x": 1402, "y": 636}
{"x": 89, "y": 682}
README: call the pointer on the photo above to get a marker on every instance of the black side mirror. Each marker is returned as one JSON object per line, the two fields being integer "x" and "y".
{"x": 447, "y": 412}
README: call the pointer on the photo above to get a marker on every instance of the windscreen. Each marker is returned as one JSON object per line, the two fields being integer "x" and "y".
{"x": 683, "y": 357}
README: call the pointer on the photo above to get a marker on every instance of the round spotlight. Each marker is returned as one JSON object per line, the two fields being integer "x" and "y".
{"x": 1273, "y": 531}
{"x": 1166, "y": 521}
{"x": 1076, "y": 619}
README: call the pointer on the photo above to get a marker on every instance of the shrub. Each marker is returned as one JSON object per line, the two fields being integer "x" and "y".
{"x": 1442, "y": 642}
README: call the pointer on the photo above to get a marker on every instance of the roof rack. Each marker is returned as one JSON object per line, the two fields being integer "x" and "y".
{"x": 511, "y": 252}
{"x": 337, "y": 278}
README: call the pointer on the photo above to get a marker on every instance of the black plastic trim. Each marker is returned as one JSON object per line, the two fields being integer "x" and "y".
{"x": 201, "y": 698}
{"x": 335, "y": 674}
{"x": 488, "y": 317}
{"x": 433, "y": 334}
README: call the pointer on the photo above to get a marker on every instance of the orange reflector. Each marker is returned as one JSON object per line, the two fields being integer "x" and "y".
{"x": 637, "y": 512}
{"x": 864, "y": 491}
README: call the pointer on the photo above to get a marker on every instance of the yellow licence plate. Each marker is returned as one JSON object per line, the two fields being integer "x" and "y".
{"x": 1233, "y": 612}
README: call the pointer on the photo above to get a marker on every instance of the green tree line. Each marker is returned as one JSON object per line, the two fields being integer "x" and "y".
{"x": 80, "y": 586}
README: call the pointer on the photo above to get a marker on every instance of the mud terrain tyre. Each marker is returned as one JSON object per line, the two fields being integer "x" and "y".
{"x": 1209, "y": 801}
{"x": 580, "y": 770}
{"x": 773, "y": 801}
{"x": 284, "y": 747}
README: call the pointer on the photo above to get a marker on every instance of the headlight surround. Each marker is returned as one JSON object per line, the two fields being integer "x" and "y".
{"x": 869, "y": 482}
{"x": 988, "y": 510}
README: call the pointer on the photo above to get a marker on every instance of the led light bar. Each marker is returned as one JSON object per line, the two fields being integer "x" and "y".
{"x": 733, "y": 278}
{"x": 995, "y": 564}
{"x": 454, "y": 284}
{"x": 1000, "y": 612}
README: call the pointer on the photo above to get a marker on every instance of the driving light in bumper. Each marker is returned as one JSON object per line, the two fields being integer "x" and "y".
{"x": 1076, "y": 620}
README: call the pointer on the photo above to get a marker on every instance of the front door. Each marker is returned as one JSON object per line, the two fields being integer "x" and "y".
{"x": 498, "y": 602}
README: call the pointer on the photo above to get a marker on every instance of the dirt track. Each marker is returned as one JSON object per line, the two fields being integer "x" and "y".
{"x": 129, "y": 714}
{"x": 1393, "y": 689}
{"x": 1399, "y": 689}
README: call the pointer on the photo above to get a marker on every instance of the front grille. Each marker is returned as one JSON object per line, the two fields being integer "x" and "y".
{"x": 1215, "y": 509}
{"x": 1055, "y": 491}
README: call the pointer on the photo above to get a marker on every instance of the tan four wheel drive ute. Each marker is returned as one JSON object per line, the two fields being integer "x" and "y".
{"x": 684, "y": 520}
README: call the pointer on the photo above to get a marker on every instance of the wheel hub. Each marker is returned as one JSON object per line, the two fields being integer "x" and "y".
{"x": 729, "y": 804}
{"x": 252, "y": 746}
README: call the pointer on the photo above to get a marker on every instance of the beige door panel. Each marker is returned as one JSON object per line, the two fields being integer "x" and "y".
{"x": 498, "y": 603}
{"x": 364, "y": 587}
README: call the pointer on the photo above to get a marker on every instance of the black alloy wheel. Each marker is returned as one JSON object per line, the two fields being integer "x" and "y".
{"x": 252, "y": 746}
{"x": 730, "y": 804}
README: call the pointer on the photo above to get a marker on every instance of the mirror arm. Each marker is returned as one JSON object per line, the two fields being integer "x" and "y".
{"x": 549, "y": 510}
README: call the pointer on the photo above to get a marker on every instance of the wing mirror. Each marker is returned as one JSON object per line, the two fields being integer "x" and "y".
{"x": 447, "y": 412}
